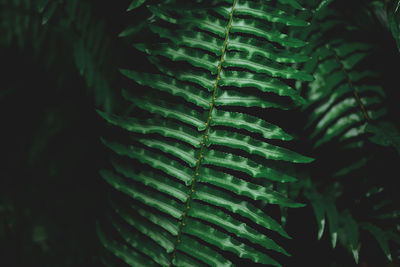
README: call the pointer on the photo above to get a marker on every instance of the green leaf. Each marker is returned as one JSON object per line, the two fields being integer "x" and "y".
{"x": 260, "y": 30}
{"x": 41, "y": 5}
{"x": 246, "y": 209}
{"x": 204, "y": 79}
{"x": 131, "y": 257}
{"x": 156, "y": 181}
{"x": 192, "y": 247}
{"x": 226, "y": 242}
{"x": 259, "y": 65}
{"x": 181, "y": 152}
{"x": 158, "y": 235}
{"x": 178, "y": 112}
{"x": 142, "y": 244}
{"x": 203, "y": 21}
{"x": 380, "y": 236}
{"x": 254, "y": 47}
{"x": 182, "y": 260}
{"x": 191, "y": 39}
{"x": 292, "y": 3}
{"x": 351, "y": 231}
{"x": 250, "y": 123}
{"x": 194, "y": 57}
{"x": 159, "y": 162}
{"x": 48, "y": 13}
{"x": 385, "y": 134}
{"x": 169, "y": 85}
{"x": 165, "y": 128}
{"x": 253, "y": 146}
{"x": 145, "y": 196}
{"x": 135, "y": 4}
{"x": 262, "y": 12}
{"x": 217, "y": 217}
{"x": 167, "y": 223}
{"x": 246, "y": 165}
{"x": 318, "y": 206}
{"x": 264, "y": 83}
{"x": 242, "y": 188}
{"x": 333, "y": 219}
{"x": 234, "y": 98}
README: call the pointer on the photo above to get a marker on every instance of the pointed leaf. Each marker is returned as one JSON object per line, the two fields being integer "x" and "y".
{"x": 173, "y": 168}
{"x": 167, "y": 223}
{"x": 192, "y": 247}
{"x": 145, "y": 196}
{"x": 169, "y": 85}
{"x": 142, "y": 244}
{"x": 178, "y": 112}
{"x": 250, "y": 123}
{"x": 246, "y": 209}
{"x": 226, "y": 242}
{"x": 260, "y": 65}
{"x": 253, "y": 146}
{"x": 217, "y": 217}
{"x": 164, "y": 128}
{"x": 248, "y": 166}
{"x": 264, "y": 83}
{"x": 241, "y": 187}
{"x": 258, "y": 29}
{"x": 128, "y": 255}
{"x": 135, "y": 4}
{"x": 254, "y": 47}
{"x": 151, "y": 179}
{"x": 159, "y": 236}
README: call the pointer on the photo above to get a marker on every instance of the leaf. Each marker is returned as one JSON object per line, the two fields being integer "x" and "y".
{"x": 380, "y": 236}
{"x": 250, "y": 123}
{"x": 41, "y": 5}
{"x": 385, "y": 134}
{"x": 203, "y": 253}
{"x": 169, "y": 85}
{"x": 252, "y": 146}
{"x": 226, "y": 242}
{"x": 48, "y": 13}
{"x": 161, "y": 237}
{"x": 158, "y": 201}
{"x": 135, "y": 4}
{"x": 158, "y": 182}
{"x": 351, "y": 232}
{"x": 178, "y": 112}
{"x": 217, "y": 217}
{"x": 128, "y": 255}
{"x": 318, "y": 206}
{"x": 221, "y": 199}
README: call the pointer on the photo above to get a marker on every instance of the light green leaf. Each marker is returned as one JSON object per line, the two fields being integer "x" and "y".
{"x": 135, "y": 4}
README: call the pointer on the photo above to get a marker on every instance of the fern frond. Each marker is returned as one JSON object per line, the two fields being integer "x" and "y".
{"x": 202, "y": 158}
{"x": 344, "y": 103}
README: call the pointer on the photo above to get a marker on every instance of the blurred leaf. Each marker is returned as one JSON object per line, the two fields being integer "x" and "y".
{"x": 386, "y": 134}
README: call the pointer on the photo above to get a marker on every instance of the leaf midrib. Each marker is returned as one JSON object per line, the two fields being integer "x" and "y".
{"x": 203, "y": 143}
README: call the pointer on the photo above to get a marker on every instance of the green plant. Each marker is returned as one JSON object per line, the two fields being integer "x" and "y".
{"x": 208, "y": 167}
{"x": 218, "y": 94}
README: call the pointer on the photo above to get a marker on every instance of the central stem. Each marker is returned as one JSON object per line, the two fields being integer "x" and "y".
{"x": 355, "y": 93}
{"x": 205, "y": 135}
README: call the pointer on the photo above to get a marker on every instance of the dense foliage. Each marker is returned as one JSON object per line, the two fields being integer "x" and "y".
{"x": 246, "y": 132}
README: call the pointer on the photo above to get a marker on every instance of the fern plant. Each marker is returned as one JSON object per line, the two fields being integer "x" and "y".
{"x": 347, "y": 112}
{"x": 206, "y": 163}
